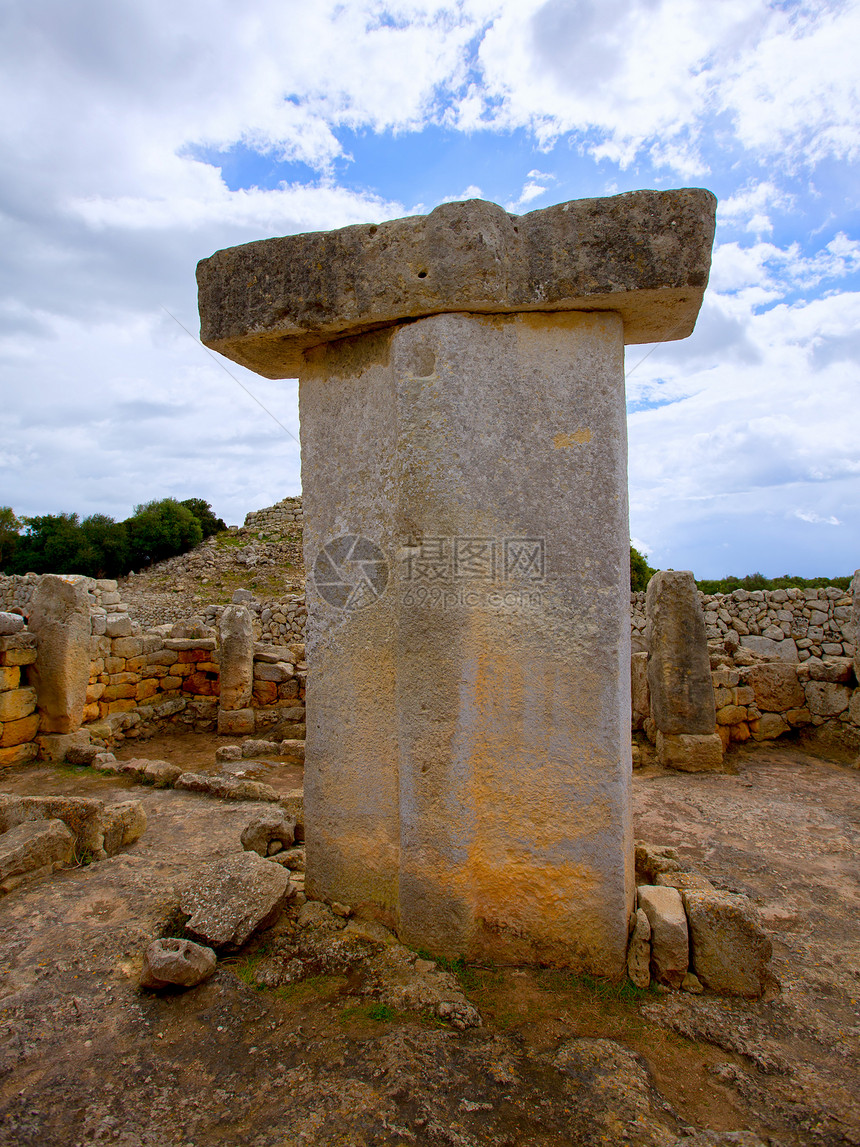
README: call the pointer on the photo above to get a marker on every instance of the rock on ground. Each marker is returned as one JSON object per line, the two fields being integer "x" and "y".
{"x": 172, "y": 961}
{"x": 226, "y": 900}
{"x": 730, "y": 951}
{"x": 267, "y": 828}
{"x": 669, "y": 940}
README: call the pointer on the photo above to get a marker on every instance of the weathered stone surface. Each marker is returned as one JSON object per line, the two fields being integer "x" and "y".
{"x": 236, "y": 722}
{"x": 81, "y": 815}
{"x": 278, "y": 673}
{"x": 161, "y": 773}
{"x": 237, "y": 658}
{"x": 176, "y": 963}
{"x": 228, "y": 788}
{"x": 824, "y": 699}
{"x": 786, "y": 649}
{"x": 691, "y": 753}
{"x": 837, "y": 670}
{"x": 855, "y": 623}
{"x": 19, "y": 732}
{"x": 652, "y": 859}
{"x": 252, "y": 748}
{"x": 10, "y": 623}
{"x": 17, "y": 703}
{"x": 408, "y": 788}
{"x": 640, "y": 693}
{"x": 679, "y": 670}
{"x": 644, "y": 255}
{"x": 681, "y": 880}
{"x": 263, "y": 830}
{"x": 32, "y": 845}
{"x": 293, "y": 751}
{"x": 122, "y": 825}
{"x": 669, "y": 938}
{"x": 230, "y": 898}
{"x": 776, "y": 686}
{"x": 57, "y": 746}
{"x": 118, "y": 625}
{"x": 228, "y": 753}
{"x": 18, "y": 754}
{"x": 60, "y": 620}
{"x": 639, "y": 951}
{"x": 729, "y": 950}
{"x": 769, "y": 726}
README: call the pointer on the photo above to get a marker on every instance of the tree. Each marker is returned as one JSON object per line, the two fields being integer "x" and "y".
{"x": 10, "y": 528}
{"x": 161, "y": 529}
{"x": 52, "y": 544}
{"x": 205, "y": 515}
{"x": 105, "y": 548}
{"x": 640, "y": 572}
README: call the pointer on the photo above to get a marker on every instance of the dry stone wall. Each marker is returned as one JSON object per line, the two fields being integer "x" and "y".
{"x": 284, "y": 517}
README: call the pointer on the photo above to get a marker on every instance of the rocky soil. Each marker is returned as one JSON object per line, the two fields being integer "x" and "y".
{"x": 263, "y": 1054}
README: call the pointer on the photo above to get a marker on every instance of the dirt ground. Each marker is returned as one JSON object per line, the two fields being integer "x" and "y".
{"x": 86, "y": 1057}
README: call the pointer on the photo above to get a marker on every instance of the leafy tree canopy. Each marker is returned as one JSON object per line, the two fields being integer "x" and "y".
{"x": 640, "y": 572}
{"x": 205, "y": 515}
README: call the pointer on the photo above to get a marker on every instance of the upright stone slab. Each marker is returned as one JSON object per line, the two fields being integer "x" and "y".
{"x": 60, "y": 619}
{"x": 679, "y": 674}
{"x": 464, "y": 488}
{"x": 236, "y": 671}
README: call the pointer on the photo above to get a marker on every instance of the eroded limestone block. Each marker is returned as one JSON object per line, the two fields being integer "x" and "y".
{"x": 237, "y": 659}
{"x": 669, "y": 937}
{"x": 10, "y": 623}
{"x": 776, "y": 686}
{"x": 176, "y": 963}
{"x": 641, "y": 696}
{"x": 229, "y": 898}
{"x": 639, "y": 951}
{"x": 730, "y": 951}
{"x": 122, "y": 824}
{"x": 855, "y": 623}
{"x": 34, "y": 845}
{"x": 644, "y": 255}
{"x": 691, "y": 753}
{"x": 679, "y": 670}
{"x": 60, "y": 620}
{"x": 81, "y": 815}
{"x": 259, "y": 833}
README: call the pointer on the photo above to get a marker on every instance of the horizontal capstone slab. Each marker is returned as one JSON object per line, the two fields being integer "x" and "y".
{"x": 644, "y": 254}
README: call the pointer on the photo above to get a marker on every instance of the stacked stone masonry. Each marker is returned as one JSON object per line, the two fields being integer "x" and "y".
{"x": 284, "y": 517}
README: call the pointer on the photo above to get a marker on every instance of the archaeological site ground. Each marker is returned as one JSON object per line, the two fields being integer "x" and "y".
{"x": 394, "y": 816}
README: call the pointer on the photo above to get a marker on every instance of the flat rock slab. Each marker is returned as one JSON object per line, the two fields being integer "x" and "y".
{"x": 644, "y": 254}
{"x": 228, "y": 899}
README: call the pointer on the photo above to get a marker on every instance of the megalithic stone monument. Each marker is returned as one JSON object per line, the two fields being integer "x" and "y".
{"x": 466, "y": 539}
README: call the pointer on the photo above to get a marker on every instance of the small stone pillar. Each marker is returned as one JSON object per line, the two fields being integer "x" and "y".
{"x": 236, "y": 653}
{"x": 679, "y": 675}
{"x": 466, "y": 539}
{"x": 60, "y": 619}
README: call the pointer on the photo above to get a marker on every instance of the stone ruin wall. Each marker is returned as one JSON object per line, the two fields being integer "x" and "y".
{"x": 139, "y": 681}
{"x": 143, "y": 676}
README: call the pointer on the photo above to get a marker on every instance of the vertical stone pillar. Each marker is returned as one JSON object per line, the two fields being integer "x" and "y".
{"x": 679, "y": 674}
{"x": 60, "y": 619}
{"x": 464, "y": 488}
{"x": 236, "y": 666}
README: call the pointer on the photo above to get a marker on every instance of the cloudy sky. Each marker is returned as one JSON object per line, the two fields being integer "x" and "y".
{"x": 139, "y": 137}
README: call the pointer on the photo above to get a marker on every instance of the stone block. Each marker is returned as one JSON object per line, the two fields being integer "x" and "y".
{"x": 81, "y": 815}
{"x": 17, "y": 703}
{"x": 18, "y": 754}
{"x": 639, "y": 951}
{"x": 683, "y": 880}
{"x": 643, "y": 255}
{"x": 125, "y": 647}
{"x": 690, "y": 753}
{"x": 60, "y": 619}
{"x": 265, "y": 692}
{"x": 270, "y": 654}
{"x": 679, "y": 670}
{"x": 190, "y": 644}
{"x": 277, "y": 673}
{"x": 641, "y": 697}
{"x": 10, "y": 623}
{"x": 57, "y": 746}
{"x": 785, "y": 649}
{"x": 669, "y": 939}
{"x": 34, "y": 845}
{"x": 776, "y": 686}
{"x": 19, "y": 732}
{"x": 768, "y": 727}
{"x": 836, "y": 670}
{"x": 122, "y": 825}
{"x": 10, "y": 677}
{"x": 826, "y": 699}
{"x": 236, "y": 722}
{"x": 729, "y": 949}
{"x": 118, "y": 625}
